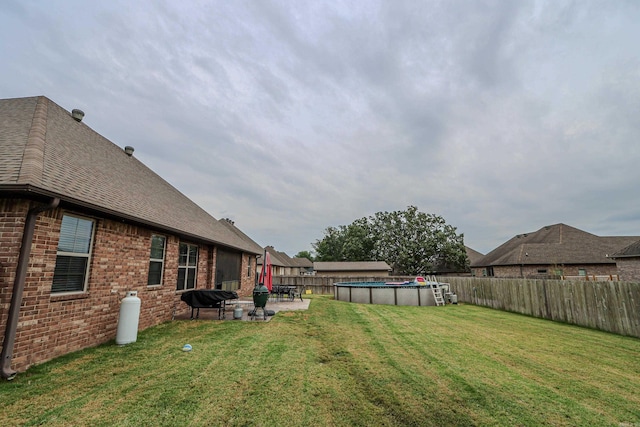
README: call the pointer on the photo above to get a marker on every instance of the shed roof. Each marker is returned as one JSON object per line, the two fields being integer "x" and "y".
{"x": 351, "y": 266}
{"x": 45, "y": 152}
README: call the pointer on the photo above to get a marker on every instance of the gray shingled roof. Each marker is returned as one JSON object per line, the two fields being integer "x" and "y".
{"x": 555, "y": 244}
{"x": 279, "y": 259}
{"x": 44, "y": 151}
{"x": 473, "y": 255}
{"x": 351, "y": 266}
{"x": 231, "y": 226}
{"x": 633, "y": 250}
{"x": 302, "y": 262}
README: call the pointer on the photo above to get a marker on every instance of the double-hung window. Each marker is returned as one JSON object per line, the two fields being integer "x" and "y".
{"x": 156, "y": 260}
{"x": 74, "y": 253}
{"x": 187, "y": 266}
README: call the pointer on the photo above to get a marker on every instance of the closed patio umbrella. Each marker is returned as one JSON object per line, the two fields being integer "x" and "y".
{"x": 266, "y": 276}
{"x": 263, "y": 289}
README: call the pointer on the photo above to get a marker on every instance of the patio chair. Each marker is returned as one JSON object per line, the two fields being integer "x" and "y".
{"x": 295, "y": 293}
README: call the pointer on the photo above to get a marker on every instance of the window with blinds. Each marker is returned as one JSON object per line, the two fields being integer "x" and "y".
{"x": 74, "y": 252}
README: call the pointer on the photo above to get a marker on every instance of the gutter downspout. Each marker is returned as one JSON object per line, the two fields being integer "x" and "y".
{"x": 18, "y": 288}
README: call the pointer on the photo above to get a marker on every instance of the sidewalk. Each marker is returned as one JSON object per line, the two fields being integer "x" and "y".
{"x": 247, "y": 306}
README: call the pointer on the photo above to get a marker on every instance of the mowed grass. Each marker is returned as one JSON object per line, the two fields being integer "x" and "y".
{"x": 341, "y": 364}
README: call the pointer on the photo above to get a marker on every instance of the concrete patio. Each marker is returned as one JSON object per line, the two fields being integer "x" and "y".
{"x": 247, "y": 307}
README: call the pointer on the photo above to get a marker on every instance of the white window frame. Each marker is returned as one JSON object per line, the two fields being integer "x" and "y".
{"x": 187, "y": 267}
{"x": 76, "y": 254}
{"x": 160, "y": 261}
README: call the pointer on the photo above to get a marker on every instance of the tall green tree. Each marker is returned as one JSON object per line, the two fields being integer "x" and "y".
{"x": 359, "y": 242}
{"x": 410, "y": 241}
{"x": 304, "y": 254}
{"x": 331, "y": 247}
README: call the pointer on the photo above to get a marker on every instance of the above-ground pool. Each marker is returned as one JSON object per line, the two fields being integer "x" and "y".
{"x": 408, "y": 293}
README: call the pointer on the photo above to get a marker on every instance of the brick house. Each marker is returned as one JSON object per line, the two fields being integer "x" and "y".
{"x": 283, "y": 265}
{"x": 553, "y": 251}
{"x": 82, "y": 222}
{"x": 445, "y": 269}
{"x": 628, "y": 262}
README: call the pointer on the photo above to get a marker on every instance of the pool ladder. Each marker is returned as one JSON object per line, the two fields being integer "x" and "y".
{"x": 437, "y": 291}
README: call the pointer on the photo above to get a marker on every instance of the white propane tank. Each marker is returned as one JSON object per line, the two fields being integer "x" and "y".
{"x": 128, "y": 321}
{"x": 237, "y": 312}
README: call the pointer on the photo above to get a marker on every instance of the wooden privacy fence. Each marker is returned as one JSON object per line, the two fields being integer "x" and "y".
{"x": 592, "y": 277}
{"x": 608, "y": 306}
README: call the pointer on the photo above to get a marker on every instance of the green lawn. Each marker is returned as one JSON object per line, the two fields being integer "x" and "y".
{"x": 342, "y": 364}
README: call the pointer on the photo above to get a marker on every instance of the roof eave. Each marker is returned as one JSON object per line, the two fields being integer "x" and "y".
{"x": 624, "y": 256}
{"x": 34, "y": 192}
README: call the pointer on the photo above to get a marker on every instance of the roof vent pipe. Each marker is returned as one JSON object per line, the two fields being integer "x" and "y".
{"x": 129, "y": 150}
{"x": 77, "y": 115}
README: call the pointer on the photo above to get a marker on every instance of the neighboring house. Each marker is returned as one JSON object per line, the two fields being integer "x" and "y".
{"x": 283, "y": 265}
{"x": 628, "y": 262}
{"x": 302, "y": 266}
{"x": 352, "y": 269}
{"x": 280, "y": 261}
{"x": 82, "y": 222}
{"x": 553, "y": 251}
{"x": 450, "y": 270}
{"x": 473, "y": 255}
{"x": 278, "y": 264}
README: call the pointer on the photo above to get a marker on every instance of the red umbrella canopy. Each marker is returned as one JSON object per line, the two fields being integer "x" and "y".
{"x": 266, "y": 276}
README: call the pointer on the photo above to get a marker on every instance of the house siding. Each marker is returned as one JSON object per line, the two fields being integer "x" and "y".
{"x": 52, "y": 325}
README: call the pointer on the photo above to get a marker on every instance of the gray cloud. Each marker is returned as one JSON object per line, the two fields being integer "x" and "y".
{"x": 290, "y": 117}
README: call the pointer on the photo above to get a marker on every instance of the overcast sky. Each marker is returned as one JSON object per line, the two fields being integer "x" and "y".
{"x": 291, "y": 116}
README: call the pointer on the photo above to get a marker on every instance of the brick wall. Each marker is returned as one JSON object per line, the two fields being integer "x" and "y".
{"x": 629, "y": 269}
{"x": 532, "y": 271}
{"x": 12, "y": 217}
{"x": 247, "y": 275}
{"x": 52, "y": 325}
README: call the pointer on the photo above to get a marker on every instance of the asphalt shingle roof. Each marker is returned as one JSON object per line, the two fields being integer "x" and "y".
{"x": 472, "y": 254}
{"x": 555, "y": 244}
{"x": 43, "y": 150}
{"x": 633, "y": 250}
{"x": 302, "y": 262}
